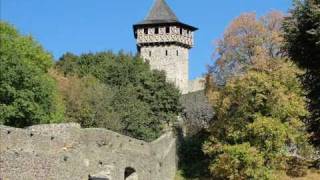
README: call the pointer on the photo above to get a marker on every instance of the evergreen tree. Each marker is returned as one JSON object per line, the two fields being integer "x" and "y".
{"x": 302, "y": 36}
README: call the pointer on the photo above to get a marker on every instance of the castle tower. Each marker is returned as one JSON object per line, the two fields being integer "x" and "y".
{"x": 164, "y": 42}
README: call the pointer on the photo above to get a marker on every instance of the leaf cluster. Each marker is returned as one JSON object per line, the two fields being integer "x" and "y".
{"x": 261, "y": 110}
{"x": 28, "y": 95}
{"x": 302, "y": 42}
{"x": 141, "y": 99}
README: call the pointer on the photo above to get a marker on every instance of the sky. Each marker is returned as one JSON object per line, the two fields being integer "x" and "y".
{"x": 82, "y": 26}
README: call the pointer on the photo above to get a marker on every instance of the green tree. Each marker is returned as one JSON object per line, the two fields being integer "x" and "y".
{"x": 259, "y": 109}
{"x": 262, "y": 109}
{"x": 88, "y": 101}
{"x": 28, "y": 94}
{"x": 302, "y": 36}
{"x": 144, "y": 102}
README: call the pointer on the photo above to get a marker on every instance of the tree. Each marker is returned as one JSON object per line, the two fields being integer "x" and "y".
{"x": 28, "y": 94}
{"x": 143, "y": 101}
{"x": 260, "y": 107}
{"x": 302, "y": 36}
{"x": 246, "y": 41}
{"x": 88, "y": 101}
{"x": 261, "y": 110}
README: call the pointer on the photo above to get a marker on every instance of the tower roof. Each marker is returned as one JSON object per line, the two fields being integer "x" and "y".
{"x": 161, "y": 13}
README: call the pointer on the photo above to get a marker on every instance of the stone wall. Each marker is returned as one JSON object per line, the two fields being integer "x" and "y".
{"x": 198, "y": 112}
{"x": 65, "y": 151}
{"x": 167, "y": 48}
{"x": 196, "y": 85}
{"x": 172, "y": 59}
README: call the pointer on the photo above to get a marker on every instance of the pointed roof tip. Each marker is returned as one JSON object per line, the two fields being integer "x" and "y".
{"x": 161, "y": 11}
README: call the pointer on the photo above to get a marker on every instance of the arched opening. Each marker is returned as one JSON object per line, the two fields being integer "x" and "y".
{"x": 130, "y": 174}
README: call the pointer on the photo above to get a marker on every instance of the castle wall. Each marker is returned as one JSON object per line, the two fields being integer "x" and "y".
{"x": 65, "y": 151}
{"x": 196, "y": 85}
{"x": 172, "y": 59}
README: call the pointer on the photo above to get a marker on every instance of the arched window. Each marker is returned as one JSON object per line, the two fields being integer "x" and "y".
{"x": 166, "y": 52}
{"x": 130, "y": 174}
{"x": 150, "y": 54}
{"x": 177, "y": 52}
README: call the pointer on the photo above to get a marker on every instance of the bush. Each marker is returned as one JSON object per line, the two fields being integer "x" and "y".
{"x": 297, "y": 167}
{"x": 192, "y": 160}
{"x": 239, "y": 162}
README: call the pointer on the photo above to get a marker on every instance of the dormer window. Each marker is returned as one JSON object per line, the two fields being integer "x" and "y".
{"x": 145, "y": 30}
{"x": 167, "y": 30}
{"x": 156, "y": 31}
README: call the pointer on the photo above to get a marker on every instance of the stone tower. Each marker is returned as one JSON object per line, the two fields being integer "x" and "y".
{"x": 164, "y": 42}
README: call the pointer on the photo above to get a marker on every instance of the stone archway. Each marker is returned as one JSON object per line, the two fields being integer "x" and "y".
{"x": 130, "y": 174}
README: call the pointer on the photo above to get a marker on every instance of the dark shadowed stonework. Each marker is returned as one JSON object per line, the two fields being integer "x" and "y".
{"x": 198, "y": 112}
{"x": 65, "y": 151}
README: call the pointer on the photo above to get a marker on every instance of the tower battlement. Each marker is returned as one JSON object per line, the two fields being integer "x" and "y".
{"x": 164, "y": 35}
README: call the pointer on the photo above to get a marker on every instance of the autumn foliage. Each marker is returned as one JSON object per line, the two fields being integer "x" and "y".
{"x": 261, "y": 106}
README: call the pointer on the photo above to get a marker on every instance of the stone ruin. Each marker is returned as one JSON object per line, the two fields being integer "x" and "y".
{"x": 66, "y": 151}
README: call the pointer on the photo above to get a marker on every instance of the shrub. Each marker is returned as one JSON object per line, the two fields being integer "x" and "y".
{"x": 239, "y": 161}
{"x": 297, "y": 167}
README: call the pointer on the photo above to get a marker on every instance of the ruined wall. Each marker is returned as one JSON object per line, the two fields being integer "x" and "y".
{"x": 65, "y": 151}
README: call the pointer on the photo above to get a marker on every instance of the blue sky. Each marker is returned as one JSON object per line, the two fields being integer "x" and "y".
{"x": 80, "y": 26}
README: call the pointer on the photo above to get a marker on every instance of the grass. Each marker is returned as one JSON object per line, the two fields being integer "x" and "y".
{"x": 312, "y": 175}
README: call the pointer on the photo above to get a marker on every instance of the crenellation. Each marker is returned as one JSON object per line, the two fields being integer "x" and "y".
{"x": 162, "y": 37}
